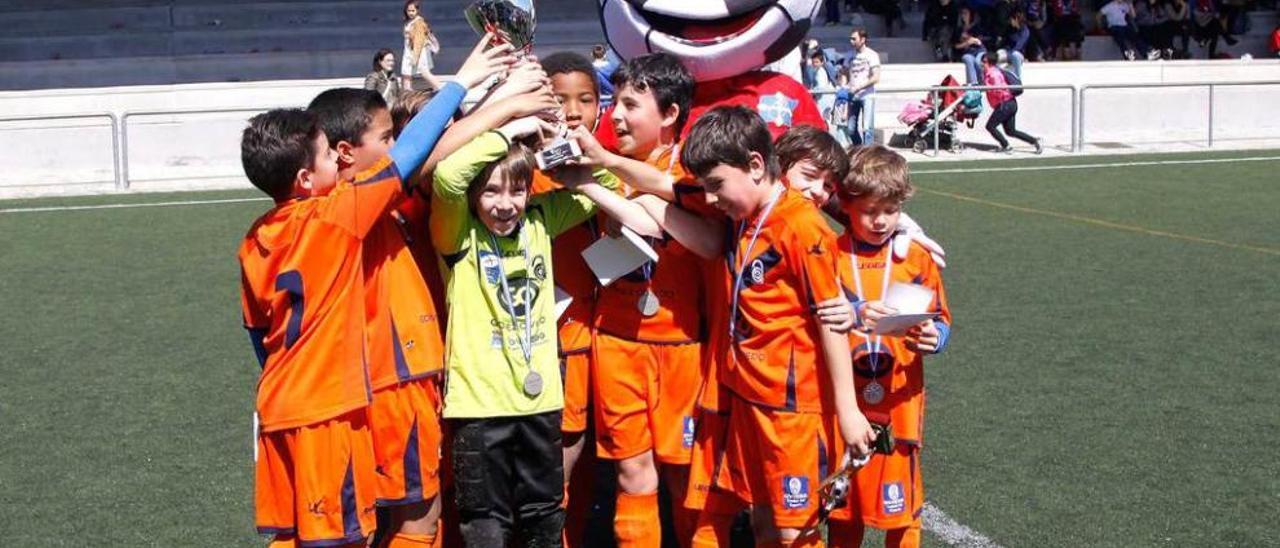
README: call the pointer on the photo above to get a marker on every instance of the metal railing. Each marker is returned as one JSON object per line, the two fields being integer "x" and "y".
{"x": 1079, "y": 95}
{"x": 117, "y": 163}
{"x": 935, "y": 91}
{"x": 1078, "y": 144}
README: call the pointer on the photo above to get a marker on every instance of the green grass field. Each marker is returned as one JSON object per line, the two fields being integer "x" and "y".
{"x": 1109, "y": 382}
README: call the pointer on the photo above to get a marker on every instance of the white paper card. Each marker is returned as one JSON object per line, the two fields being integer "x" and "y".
{"x": 908, "y": 298}
{"x": 900, "y": 322}
{"x": 563, "y": 300}
{"x": 613, "y": 258}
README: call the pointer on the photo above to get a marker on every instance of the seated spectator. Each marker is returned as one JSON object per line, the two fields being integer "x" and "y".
{"x": 971, "y": 50}
{"x": 1068, "y": 30}
{"x": 1208, "y": 26}
{"x": 1152, "y": 17}
{"x": 1117, "y": 17}
{"x": 1014, "y": 42}
{"x": 1179, "y": 25}
{"x": 383, "y": 78}
{"x": 941, "y": 18}
{"x": 1275, "y": 41}
{"x": 1034, "y": 16}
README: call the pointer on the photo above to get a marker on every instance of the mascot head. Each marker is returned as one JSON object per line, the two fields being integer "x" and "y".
{"x": 715, "y": 38}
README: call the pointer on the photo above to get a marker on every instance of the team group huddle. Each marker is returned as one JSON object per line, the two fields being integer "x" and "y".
{"x": 401, "y": 297}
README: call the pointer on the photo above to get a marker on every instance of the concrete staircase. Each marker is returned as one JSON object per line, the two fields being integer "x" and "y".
{"x": 95, "y": 43}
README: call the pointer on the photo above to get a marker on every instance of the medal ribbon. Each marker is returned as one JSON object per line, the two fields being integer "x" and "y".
{"x": 525, "y": 337}
{"x": 742, "y": 259}
{"x": 874, "y": 356}
{"x": 646, "y": 269}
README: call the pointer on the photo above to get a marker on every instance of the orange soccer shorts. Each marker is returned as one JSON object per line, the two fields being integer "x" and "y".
{"x": 707, "y": 460}
{"x": 645, "y": 396}
{"x": 406, "y": 441}
{"x": 316, "y": 482}
{"x": 777, "y": 459}
{"x": 887, "y": 493}
{"x": 575, "y": 370}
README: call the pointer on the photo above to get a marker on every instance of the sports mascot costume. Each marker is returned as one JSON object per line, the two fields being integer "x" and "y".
{"x": 724, "y": 44}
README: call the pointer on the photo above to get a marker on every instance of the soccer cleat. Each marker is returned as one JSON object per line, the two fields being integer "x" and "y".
{"x": 1128, "y": 54}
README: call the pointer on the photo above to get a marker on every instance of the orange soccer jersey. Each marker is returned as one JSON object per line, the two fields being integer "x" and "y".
{"x": 405, "y": 338}
{"x": 302, "y": 295}
{"x": 776, "y": 360}
{"x": 889, "y": 492}
{"x": 649, "y": 362}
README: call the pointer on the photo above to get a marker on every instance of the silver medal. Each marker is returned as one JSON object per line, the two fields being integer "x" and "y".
{"x": 533, "y": 384}
{"x": 648, "y": 303}
{"x": 873, "y": 393}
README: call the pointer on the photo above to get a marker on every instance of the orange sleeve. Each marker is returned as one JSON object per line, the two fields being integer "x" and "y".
{"x": 357, "y": 206}
{"x": 816, "y": 254}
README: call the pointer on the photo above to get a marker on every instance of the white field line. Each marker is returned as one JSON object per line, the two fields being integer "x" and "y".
{"x": 951, "y": 531}
{"x": 130, "y": 206}
{"x": 1097, "y": 166}
{"x": 920, "y": 172}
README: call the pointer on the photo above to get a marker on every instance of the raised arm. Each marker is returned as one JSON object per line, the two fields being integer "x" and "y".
{"x": 638, "y": 175}
{"x": 627, "y": 212}
{"x": 420, "y": 136}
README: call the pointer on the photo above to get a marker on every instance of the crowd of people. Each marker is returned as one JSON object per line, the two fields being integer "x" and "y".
{"x": 418, "y": 382}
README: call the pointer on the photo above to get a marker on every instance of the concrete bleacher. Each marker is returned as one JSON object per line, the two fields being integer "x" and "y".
{"x": 94, "y": 43}
{"x": 131, "y": 42}
{"x": 906, "y": 46}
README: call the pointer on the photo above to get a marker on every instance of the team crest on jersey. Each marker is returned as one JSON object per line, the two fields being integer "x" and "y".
{"x": 758, "y": 269}
{"x": 757, "y": 272}
{"x": 894, "y": 500}
{"x": 688, "y": 432}
{"x": 795, "y": 492}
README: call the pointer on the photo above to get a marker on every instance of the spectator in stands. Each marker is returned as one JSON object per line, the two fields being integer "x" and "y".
{"x": 1275, "y": 41}
{"x": 383, "y": 78}
{"x": 971, "y": 51}
{"x": 819, "y": 70}
{"x": 1152, "y": 17}
{"x": 1117, "y": 17}
{"x": 605, "y": 62}
{"x": 941, "y": 20}
{"x": 1208, "y": 25}
{"x": 864, "y": 74}
{"x": 1179, "y": 25}
{"x": 419, "y": 46}
{"x": 1034, "y": 15}
{"x": 1013, "y": 42}
{"x": 1004, "y": 107}
{"x": 833, "y": 12}
{"x": 1068, "y": 30}
{"x": 889, "y": 10}
{"x": 1230, "y": 12}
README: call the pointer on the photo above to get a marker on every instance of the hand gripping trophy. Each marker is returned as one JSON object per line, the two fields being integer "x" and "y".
{"x": 513, "y": 22}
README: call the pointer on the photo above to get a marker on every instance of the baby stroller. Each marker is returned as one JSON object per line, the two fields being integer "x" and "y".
{"x": 955, "y": 107}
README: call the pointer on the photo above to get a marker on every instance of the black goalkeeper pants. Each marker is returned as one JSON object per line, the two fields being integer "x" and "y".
{"x": 509, "y": 480}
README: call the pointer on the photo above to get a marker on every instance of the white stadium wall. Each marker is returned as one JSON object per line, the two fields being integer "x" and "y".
{"x": 198, "y": 151}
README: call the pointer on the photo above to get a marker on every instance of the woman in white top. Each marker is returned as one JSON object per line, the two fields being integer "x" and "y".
{"x": 419, "y": 45}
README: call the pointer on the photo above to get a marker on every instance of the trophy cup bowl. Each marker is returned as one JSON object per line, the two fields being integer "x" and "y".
{"x": 513, "y": 21}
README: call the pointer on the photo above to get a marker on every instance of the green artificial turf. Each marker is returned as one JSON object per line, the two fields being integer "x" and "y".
{"x": 1111, "y": 379}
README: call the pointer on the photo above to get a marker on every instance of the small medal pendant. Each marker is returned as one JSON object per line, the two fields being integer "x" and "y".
{"x": 533, "y": 384}
{"x": 873, "y": 393}
{"x": 648, "y": 304}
